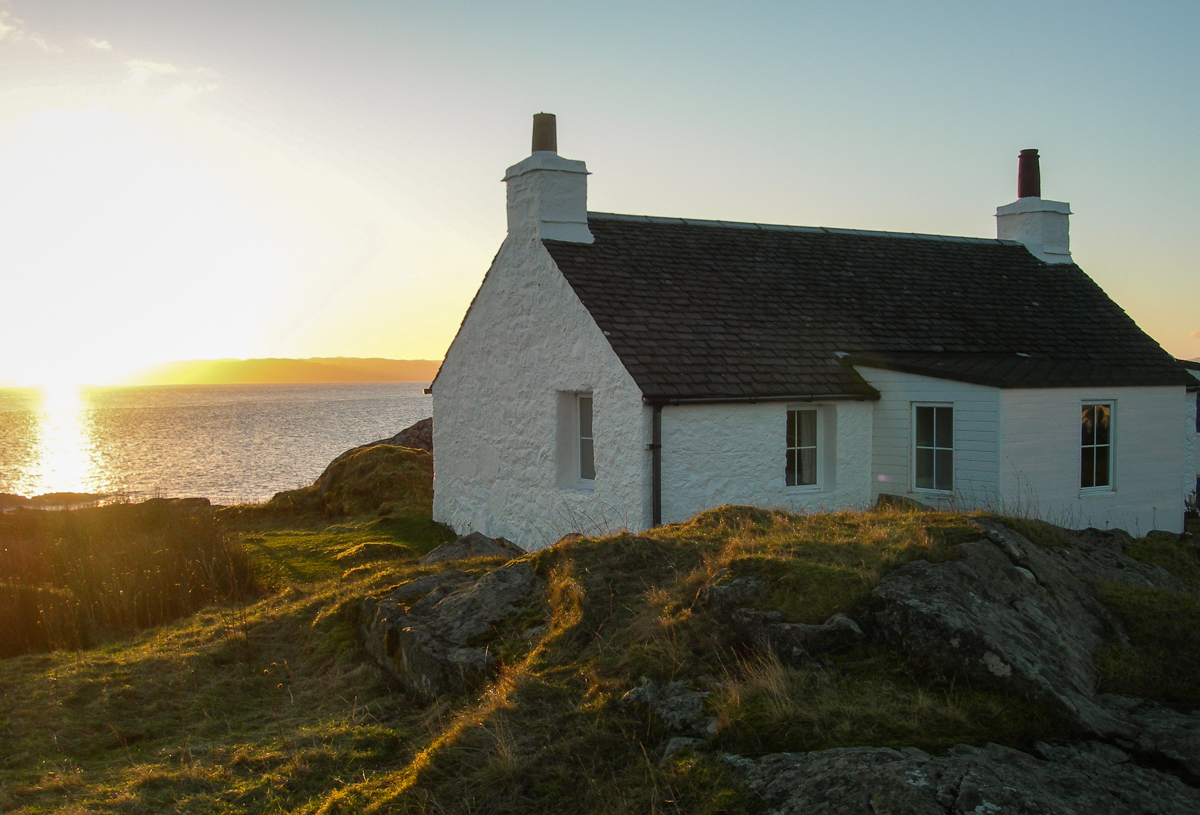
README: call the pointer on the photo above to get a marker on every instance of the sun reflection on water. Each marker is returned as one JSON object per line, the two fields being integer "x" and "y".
{"x": 66, "y": 457}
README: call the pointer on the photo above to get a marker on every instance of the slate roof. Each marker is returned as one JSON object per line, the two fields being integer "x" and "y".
{"x": 712, "y": 310}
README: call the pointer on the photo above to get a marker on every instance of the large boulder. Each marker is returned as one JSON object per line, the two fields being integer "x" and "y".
{"x": 475, "y": 545}
{"x": 1091, "y": 778}
{"x": 435, "y": 634}
{"x": 1026, "y": 619}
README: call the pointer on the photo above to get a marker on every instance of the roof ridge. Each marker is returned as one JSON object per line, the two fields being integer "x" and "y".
{"x": 827, "y": 230}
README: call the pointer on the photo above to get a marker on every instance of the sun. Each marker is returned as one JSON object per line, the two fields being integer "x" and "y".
{"x": 125, "y": 249}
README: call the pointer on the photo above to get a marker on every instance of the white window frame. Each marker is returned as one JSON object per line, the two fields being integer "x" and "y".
{"x": 913, "y": 447}
{"x": 819, "y": 448}
{"x": 568, "y": 472}
{"x": 1111, "y": 486}
{"x": 580, "y": 469}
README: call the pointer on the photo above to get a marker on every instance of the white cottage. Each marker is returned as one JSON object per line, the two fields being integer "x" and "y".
{"x": 621, "y": 371}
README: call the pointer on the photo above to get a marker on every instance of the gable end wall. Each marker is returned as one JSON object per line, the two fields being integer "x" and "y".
{"x": 526, "y": 339}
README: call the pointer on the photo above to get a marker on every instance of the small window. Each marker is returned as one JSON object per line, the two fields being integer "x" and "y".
{"x": 933, "y": 449}
{"x": 587, "y": 449}
{"x": 1095, "y": 456}
{"x": 801, "y": 470}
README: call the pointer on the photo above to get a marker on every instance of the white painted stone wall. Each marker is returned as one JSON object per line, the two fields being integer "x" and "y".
{"x": 526, "y": 339}
{"x": 1040, "y": 472}
{"x": 976, "y": 438}
{"x": 735, "y": 454}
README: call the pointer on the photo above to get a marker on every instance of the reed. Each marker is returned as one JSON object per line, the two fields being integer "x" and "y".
{"x": 73, "y": 578}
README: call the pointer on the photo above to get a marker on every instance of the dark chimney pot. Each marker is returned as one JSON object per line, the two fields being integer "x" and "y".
{"x": 545, "y": 137}
{"x": 1029, "y": 175}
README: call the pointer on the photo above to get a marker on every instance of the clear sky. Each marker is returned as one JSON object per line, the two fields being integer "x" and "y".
{"x": 271, "y": 178}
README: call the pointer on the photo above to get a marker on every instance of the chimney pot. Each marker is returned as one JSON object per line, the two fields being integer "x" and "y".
{"x": 545, "y": 136}
{"x": 1029, "y": 175}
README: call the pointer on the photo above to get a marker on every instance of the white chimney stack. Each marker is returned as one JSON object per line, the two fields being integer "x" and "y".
{"x": 546, "y": 192}
{"x": 1042, "y": 225}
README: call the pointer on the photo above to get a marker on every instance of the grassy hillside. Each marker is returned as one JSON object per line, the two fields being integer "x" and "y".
{"x": 268, "y": 705}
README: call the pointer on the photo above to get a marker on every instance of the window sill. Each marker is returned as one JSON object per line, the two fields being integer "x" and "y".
{"x": 1098, "y": 492}
{"x": 803, "y": 489}
{"x": 939, "y": 493}
{"x": 582, "y": 486}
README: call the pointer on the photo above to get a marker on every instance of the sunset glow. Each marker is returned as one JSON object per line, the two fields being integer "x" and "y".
{"x": 183, "y": 182}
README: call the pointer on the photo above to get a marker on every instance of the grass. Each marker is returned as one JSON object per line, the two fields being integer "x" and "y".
{"x": 75, "y": 578}
{"x": 1162, "y": 659}
{"x": 270, "y": 706}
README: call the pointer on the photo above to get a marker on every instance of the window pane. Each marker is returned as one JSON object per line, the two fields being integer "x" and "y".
{"x": 944, "y": 425}
{"x": 925, "y": 427}
{"x": 945, "y": 469}
{"x": 1103, "y": 415}
{"x": 808, "y": 467}
{"x": 1087, "y": 467}
{"x": 790, "y": 472}
{"x": 791, "y": 428}
{"x": 585, "y": 417}
{"x": 1102, "y": 456}
{"x": 587, "y": 461}
{"x": 925, "y": 468}
{"x": 808, "y": 428}
{"x": 1088, "y": 424}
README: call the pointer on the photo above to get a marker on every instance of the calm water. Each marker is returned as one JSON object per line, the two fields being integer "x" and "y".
{"x": 229, "y": 443}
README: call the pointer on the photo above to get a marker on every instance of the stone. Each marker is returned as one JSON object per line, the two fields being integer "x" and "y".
{"x": 676, "y": 705}
{"x": 418, "y": 435}
{"x": 796, "y": 643}
{"x": 679, "y": 743}
{"x": 475, "y": 545}
{"x": 887, "y": 500}
{"x": 1022, "y": 618}
{"x": 432, "y": 634}
{"x": 1097, "y": 779}
{"x": 724, "y": 592}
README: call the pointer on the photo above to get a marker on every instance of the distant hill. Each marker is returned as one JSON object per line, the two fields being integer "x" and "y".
{"x": 286, "y": 371}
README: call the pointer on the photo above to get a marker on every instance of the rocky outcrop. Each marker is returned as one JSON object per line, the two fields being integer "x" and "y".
{"x": 419, "y": 435}
{"x": 1025, "y": 619}
{"x": 1092, "y": 778}
{"x": 475, "y": 545}
{"x": 435, "y": 634}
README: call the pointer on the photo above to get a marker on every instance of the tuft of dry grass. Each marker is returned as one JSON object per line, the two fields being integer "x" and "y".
{"x": 73, "y": 578}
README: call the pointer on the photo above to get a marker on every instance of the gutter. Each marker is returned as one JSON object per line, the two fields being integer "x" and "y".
{"x": 753, "y": 400}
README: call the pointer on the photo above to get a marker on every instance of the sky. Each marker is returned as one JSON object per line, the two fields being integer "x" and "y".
{"x": 300, "y": 178}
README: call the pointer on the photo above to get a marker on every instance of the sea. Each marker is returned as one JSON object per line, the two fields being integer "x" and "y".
{"x": 228, "y": 443}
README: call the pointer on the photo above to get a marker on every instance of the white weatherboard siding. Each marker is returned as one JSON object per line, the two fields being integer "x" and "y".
{"x": 525, "y": 340}
{"x": 735, "y": 454}
{"x": 1041, "y": 443}
{"x": 976, "y": 437}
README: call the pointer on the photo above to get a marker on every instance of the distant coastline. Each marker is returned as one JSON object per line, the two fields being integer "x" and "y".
{"x": 315, "y": 370}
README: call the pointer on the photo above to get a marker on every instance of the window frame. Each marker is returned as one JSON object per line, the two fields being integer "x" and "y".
{"x": 914, "y": 446}
{"x": 580, "y": 458}
{"x": 818, "y": 448}
{"x": 1110, "y": 487}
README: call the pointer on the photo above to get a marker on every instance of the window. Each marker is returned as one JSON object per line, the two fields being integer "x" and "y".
{"x": 575, "y": 442}
{"x": 933, "y": 459}
{"x": 801, "y": 470}
{"x": 1095, "y": 446}
{"x": 587, "y": 450}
